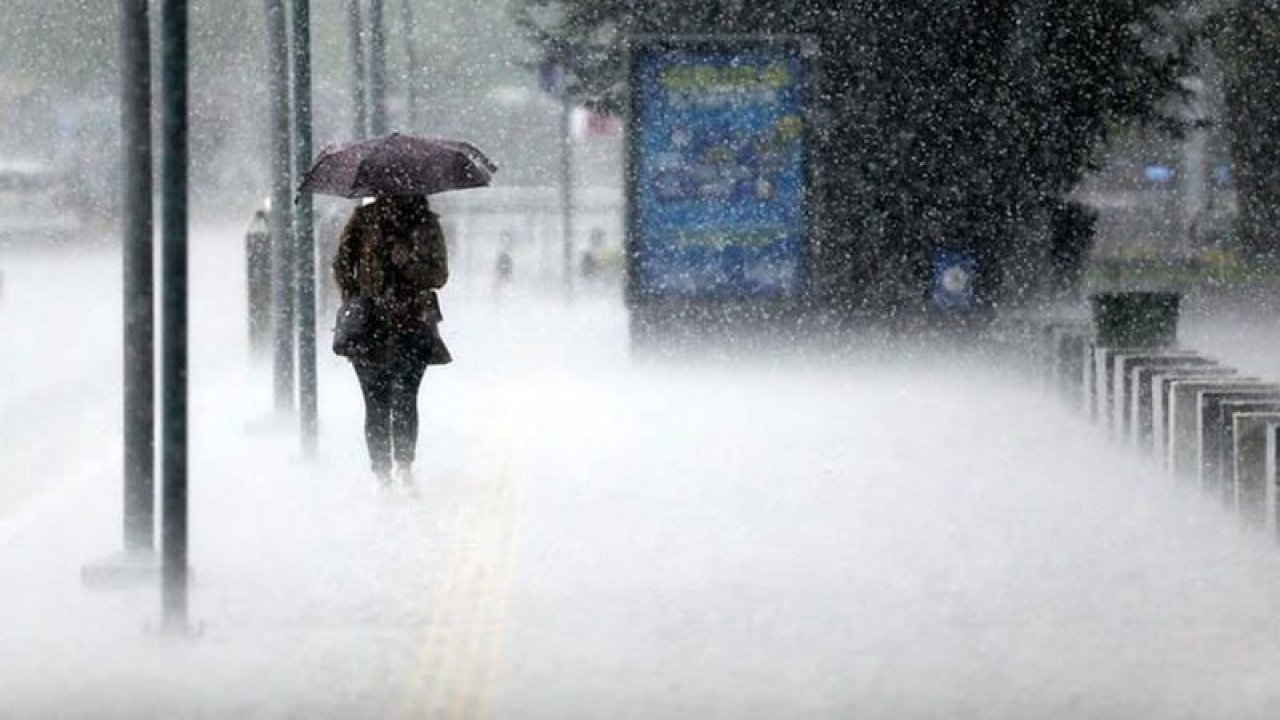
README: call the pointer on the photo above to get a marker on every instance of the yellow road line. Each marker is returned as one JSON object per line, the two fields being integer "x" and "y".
{"x": 477, "y": 686}
{"x": 456, "y": 670}
{"x": 485, "y": 704}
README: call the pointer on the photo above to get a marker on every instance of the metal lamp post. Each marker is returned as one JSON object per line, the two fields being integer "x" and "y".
{"x": 174, "y": 214}
{"x": 304, "y": 228}
{"x": 139, "y": 291}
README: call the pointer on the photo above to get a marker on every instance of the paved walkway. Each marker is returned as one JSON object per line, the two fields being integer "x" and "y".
{"x": 892, "y": 536}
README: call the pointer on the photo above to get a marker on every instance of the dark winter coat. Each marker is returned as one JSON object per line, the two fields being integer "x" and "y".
{"x": 394, "y": 252}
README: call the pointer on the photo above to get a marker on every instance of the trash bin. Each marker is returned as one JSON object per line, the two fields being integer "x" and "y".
{"x": 1136, "y": 319}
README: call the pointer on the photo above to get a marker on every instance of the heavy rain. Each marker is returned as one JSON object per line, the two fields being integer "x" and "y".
{"x": 639, "y": 359}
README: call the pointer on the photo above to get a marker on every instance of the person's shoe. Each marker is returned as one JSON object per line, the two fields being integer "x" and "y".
{"x": 383, "y": 478}
{"x": 404, "y": 473}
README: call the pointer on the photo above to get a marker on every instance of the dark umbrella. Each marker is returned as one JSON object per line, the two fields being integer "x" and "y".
{"x": 398, "y": 164}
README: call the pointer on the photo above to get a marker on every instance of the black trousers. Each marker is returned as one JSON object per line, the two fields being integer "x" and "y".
{"x": 391, "y": 408}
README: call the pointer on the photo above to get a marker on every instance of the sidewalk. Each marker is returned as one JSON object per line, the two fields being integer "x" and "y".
{"x": 914, "y": 539}
{"x": 315, "y": 595}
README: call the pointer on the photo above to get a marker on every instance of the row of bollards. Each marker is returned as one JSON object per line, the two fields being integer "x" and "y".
{"x": 1205, "y": 424}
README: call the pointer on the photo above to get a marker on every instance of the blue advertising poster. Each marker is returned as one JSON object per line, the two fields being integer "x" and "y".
{"x": 718, "y": 158}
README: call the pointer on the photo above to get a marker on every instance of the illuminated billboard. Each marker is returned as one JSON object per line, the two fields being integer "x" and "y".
{"x": 717, "y": 169}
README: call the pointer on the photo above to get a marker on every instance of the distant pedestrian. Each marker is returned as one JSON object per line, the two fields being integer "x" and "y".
{"x": 591, "y": 257}
{"x": 393, "y": 253}
{"x": 504, "y": 268}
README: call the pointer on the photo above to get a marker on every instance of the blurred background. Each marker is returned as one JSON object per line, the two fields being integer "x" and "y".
{"x": 476, "y": 77}
{"x": 1109, "y": 142}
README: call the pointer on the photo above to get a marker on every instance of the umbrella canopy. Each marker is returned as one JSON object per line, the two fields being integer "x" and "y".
{"x": 398, "y": 164}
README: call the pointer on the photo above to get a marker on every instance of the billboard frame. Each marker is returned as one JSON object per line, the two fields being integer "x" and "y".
{"x": 647, "y": 307}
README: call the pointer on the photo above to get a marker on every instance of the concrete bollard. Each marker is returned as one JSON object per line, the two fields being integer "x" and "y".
{"x": 1137, "y": 421}
{"x": 1049, "y": 333}
{"x": 1069, "y": 346}
{"x": 1128, "y": 323}
{"x": 1122, "y": 379}
{"x": 1254, "y": 478}
{"x": 1051, "y": 336}
{"x": 1219, "y": 440}
{"x": 1161, "y": 385}
{"x": 1075, "y": 347}
{"x": 1104, "y": 385}
{"x": 1270, "y": 473}
{"x": 1088, "y": 381}
{"x": 1184, "y": 412}
{"x": 1218, "y": 411}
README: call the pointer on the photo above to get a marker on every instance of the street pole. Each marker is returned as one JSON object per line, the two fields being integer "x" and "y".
{"x": 281, "y": 204}
{"x": 355, "y": 44}
{"x": 173, "y": 204}
{"x": 566, "y": 187}
{"x": 304, "y": 228}
{"x": 139, "y": 287}
{"x": 1195, "y": 161}
{"x": 377, "y": 70}
{"x": 412, "y": 77}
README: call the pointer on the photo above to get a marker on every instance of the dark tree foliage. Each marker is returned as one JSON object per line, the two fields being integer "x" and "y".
{"x": 1246, "y": 35}
{"x": 960, "y": 123}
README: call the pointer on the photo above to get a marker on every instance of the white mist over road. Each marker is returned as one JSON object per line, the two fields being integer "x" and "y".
{"x": 884, "y": 535}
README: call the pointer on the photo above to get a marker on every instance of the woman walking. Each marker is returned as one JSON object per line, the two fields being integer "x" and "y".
{"x": 392, "y": 254}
